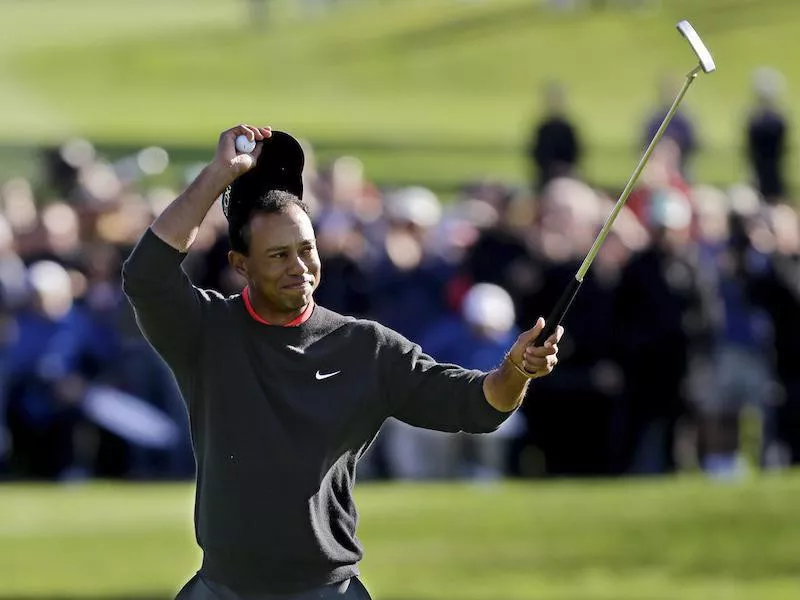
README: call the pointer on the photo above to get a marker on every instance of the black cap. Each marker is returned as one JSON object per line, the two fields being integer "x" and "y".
{"x": 279, "y": 167}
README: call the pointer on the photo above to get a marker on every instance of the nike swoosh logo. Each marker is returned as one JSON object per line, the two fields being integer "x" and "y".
{"x": 326, "y": 375}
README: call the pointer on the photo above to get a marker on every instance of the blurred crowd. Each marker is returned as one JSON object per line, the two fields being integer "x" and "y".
{"x": 679, "y": 351}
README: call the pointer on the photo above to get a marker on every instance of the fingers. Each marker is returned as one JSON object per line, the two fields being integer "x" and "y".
{"x": 534, "y": 362}
{"x": 251, "y": 133}
{"x": 532, "y": 352}
{"x": 550, "y": 344}
{"x": 556, "y": 337}
{"x": 266, "y": 132}
{"x": 257, "y": 134}
{"x": 529, "y": 336}
{"x": 540, "y": 366}
{"x": 537, "y": 358}
{"x": 541, "y": 360}
{"x": 227, "y": 155}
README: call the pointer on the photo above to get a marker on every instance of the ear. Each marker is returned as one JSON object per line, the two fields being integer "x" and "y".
{"x": 238, "y": 263}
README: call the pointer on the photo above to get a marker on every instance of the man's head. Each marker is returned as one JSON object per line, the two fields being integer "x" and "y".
{"x": 555, "y": 98}
{"x": 273, "y": 245}
{"x": 670, "y": 220}
{"x": 768, "y": 85}
{"x": 51, "y": 289}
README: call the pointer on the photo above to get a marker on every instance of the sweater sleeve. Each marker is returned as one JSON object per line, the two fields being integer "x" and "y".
{"x": 168, "y": 308}
{"x": 431, "y": 395}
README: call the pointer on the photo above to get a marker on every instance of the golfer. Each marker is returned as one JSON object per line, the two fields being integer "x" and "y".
{"x": 284, "y": 396}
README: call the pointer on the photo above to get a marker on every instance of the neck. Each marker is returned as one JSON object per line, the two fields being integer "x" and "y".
{"x": 270, "y": 314}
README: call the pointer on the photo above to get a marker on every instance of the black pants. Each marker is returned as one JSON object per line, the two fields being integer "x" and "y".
{"x": 200, "y": 589}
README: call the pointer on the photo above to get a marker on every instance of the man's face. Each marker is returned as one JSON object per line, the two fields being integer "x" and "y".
{"x": 283, "y": 267}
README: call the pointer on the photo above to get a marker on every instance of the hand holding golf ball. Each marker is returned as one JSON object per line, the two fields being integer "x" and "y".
{"x": 245, "y": 145}
{"x": 239, "y": 149}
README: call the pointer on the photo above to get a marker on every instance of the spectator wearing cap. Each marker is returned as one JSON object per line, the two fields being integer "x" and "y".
{"x": 477, "y": 336}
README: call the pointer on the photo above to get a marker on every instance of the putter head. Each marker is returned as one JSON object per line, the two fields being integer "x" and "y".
{"x": 706, "y": 60}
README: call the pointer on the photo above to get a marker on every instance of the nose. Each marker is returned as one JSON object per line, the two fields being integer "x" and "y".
{"x": 298, "y": 267}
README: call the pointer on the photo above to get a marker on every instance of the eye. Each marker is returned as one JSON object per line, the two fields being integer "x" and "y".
{"x": 308, "y": 249}
{"x": 278, "y": 255}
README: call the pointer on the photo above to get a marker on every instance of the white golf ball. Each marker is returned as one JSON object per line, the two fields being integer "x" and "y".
{"x": 245, "y": 145}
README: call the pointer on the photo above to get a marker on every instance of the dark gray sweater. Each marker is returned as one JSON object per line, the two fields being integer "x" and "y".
{"x": 279, "y": 418}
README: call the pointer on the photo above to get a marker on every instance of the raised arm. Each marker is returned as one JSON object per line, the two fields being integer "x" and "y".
{"x": 179, "y": 223}
{"x": 168, "y": 308}
{"x": 445, "y": 397}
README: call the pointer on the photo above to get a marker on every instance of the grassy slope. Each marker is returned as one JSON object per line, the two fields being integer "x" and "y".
{"x": 432, "y": 90}
{"x": 682, "y": 540}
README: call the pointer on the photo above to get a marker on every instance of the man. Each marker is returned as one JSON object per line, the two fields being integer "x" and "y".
{"x": 767, "y": 132}
{"x": 285, "y": 396}
{"x": 681, "y": 129}
{"x": 555, "y": 147}
{"x": 666, "y": 313}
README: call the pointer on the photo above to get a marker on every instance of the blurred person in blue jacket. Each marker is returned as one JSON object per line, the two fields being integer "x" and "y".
{"x": 13, "y": 276}
{"x": 408, "y": 283}
{"x": 477, "y": 337}
{"x": 741, "y": 373}
{"x": 54, "y": 350}
{"x": 681, "y": 129}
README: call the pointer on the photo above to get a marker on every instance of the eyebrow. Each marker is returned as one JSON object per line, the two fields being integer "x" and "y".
{"x": 309, "y": 242}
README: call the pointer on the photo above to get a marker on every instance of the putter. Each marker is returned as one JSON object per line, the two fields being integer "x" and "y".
{"x": 706, "y": 65}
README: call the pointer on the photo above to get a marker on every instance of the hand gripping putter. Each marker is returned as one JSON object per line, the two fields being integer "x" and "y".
{"x": 706, "y": 65}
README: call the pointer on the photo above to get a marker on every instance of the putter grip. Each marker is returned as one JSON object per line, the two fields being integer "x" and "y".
{"x": 559, "y": 311}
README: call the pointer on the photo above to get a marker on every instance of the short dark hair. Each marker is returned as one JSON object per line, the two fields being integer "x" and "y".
{"x": 272, "y": 201}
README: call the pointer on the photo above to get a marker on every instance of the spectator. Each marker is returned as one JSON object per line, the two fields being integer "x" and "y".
{"x": 554, "y": 148}
{"x": 571, "y": 420}
{"x": 475, "y": 337}
{"x": 740, "y": 376}
{"x": 775, "y": 285}
{"x": 681, "y": 128}
{"x": 53, "y": 355}
{"x": 409, "y": 282}
{"x": 767, "y": 136}
{"x": 665, "y": 319}
{"x": 722, "y": 288}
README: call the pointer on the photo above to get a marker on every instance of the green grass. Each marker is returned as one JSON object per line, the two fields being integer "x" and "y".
{"x": 435, "y": 91}
{"x": 682, "y": 539}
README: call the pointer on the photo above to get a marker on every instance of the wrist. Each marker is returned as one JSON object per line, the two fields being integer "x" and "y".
{"x": 513, "y": 368}
{"x": 505, "y": 387}
{"x": 219, "y": 176}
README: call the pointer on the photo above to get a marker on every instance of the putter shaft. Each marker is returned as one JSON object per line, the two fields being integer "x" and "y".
{"x": 565, "y": 301}
{"x": 623, "y": 198}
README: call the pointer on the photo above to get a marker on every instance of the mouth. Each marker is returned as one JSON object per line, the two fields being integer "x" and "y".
{"x": 298, "y": 286}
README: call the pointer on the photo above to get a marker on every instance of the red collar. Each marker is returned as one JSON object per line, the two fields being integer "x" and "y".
{"x": 302, "y": 318}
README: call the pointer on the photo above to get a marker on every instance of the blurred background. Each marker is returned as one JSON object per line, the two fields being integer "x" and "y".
{"x": 461, "y": 157}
